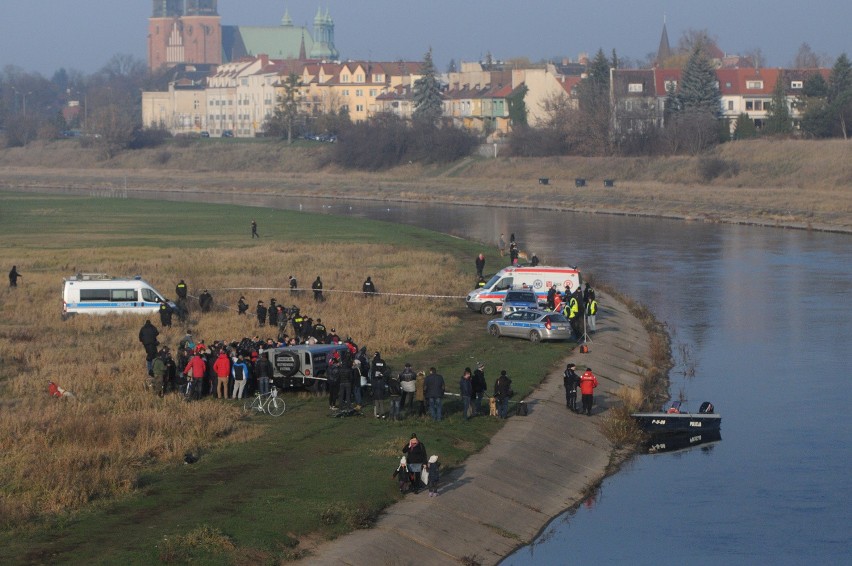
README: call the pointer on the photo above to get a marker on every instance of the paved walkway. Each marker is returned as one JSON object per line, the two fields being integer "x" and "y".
{"x": 534, "y": 468}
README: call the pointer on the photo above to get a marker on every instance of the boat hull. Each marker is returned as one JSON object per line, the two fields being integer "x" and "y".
{"x": 673, "y": 423}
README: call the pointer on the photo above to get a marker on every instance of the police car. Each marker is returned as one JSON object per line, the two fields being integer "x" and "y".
{"x": 534, "y": 325}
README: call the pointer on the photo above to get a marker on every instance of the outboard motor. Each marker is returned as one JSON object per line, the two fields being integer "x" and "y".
{"x": 706, "y": 407}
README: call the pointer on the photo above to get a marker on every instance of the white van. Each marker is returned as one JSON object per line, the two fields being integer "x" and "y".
{"x": 489, "y": 299}
{"x": 98, "y": 293}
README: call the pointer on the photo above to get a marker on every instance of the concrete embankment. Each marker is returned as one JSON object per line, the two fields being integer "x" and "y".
{"x": 534, "y": 468}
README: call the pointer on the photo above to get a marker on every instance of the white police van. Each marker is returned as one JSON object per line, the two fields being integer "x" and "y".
{"x": 98, "y": 293}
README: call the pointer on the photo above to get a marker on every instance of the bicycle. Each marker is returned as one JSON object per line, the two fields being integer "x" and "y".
{"x": 266, "y": 403}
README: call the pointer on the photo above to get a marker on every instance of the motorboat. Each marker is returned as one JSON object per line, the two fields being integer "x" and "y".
{"x": 675, "y": 420}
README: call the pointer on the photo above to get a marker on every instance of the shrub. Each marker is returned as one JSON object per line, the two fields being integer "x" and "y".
{"x": 142, "y": 138}
{"x": 712, "y": 167}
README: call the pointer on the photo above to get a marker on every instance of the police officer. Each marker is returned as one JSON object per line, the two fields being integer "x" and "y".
{"x": 591, "y": 311}
{"x": 319, "y": 331}
{"x": 369, "y": 288}
{"x": 205, "y": 301}
{"x": 571, "y": 381}
{"x": 260, "y": 310}
{"x": 316, "y": 286}
{"x": 242, "y": 306}
{"x": 165, "y": 314}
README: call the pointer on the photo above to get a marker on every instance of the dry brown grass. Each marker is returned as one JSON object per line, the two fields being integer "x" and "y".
{"x": 777, "y": 182}
{"x": 58, "y": 454}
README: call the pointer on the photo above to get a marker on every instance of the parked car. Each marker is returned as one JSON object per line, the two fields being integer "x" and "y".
{"x": 205, "y": 134}
{"x": 534, "y": 325}
{"x": 227, "y": 133}
{"x": 522, "y": 299}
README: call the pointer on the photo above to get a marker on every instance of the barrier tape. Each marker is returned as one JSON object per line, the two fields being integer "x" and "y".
{"x": 342, "y": 291}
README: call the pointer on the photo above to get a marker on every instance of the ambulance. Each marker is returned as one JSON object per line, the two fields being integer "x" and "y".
{"x": 489, "y": 298}
{"x": 98, "y": 293}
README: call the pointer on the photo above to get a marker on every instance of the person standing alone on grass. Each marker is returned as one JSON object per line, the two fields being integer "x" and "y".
{"x": 316, "y": 287}
{"x": 254, "y": 233}
{"x": 480, "y": 265}
{"x": 588, "y": 382}
{"x": 13, "y": 276}
{"x": 501, "y": 245}
{"x": 369, "y": 288}
{"x": 433, "y": 389}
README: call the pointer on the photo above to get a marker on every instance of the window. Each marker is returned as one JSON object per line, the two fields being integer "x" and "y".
{"x": 634, "y": 87}
{"x": 378, "y": 78}
{"x": 94, "y": 294}
{"x": 730, "y": 105}
{"x": 359, "y": 92}
{"x": 345, "y": 92}
{"x": 758, "y": 105}
{"x": 122, "y": 294}
{"x": 359, "y": 78}
{"x": 754, "y": 85}
{"x": 796, "y": 84}
{"x": 628, "y": 105}
{"x": 749, "y": 105}
{"x": 373, "y": 92}
{"x": 149, "y": 295}
{"x": 359, "y": 108}
{"x": 671, "y": 85}
{"x": 344, "y": 78}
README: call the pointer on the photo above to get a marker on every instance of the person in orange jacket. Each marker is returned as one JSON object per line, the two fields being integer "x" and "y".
{"x": 588, "y": 382}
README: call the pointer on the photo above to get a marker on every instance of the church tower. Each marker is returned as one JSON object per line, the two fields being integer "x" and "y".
{"x": 184, "y": 31}
{"x": 323, "y": 47}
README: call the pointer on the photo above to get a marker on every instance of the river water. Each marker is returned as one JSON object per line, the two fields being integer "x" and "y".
{"x": 763, "y": 318}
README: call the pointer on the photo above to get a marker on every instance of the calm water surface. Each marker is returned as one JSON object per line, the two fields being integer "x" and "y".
{"x": 763, "y": 317}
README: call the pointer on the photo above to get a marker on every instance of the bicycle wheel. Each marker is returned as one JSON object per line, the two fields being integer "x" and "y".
{"x": 275, "y": 406}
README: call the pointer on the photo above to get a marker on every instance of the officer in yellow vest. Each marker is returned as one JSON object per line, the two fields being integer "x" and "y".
{"x": 591, "y": 311}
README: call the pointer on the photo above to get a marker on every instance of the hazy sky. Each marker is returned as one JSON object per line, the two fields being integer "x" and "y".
{"x": 44, "y": 35}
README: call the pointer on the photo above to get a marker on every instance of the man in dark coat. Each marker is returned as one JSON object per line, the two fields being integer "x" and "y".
{"x": 480, "y": 386}
{"x": 433, "y": 390}
{"x": 260, "y": 310}
{"x": 503, "y": 391}
{"x": 242, "y": 306}
{"x": 571, "y": 381}
{"x": 165, "y": 314}
{"x": 480, "y": 265}
{"x": 369, "y": 288}
{"x": 13, "y": 276}
{"x": 148, "y": 336}
{"x": 316, "y": 286}
{"x": 205, "y": 301}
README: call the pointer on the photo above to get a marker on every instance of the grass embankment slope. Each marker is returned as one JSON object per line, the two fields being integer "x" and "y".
{"x": 806, "y": 184}
{"x": 99, "y": 478}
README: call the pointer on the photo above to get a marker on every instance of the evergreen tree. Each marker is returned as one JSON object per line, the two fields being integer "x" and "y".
{"x": 744, "y": 128}
{"x": 778, "y": 121}
{"x": 594, "y": 104}
{"x": 698, "y": 90}
{"x": 840, "y": 93}
{"x": 428, "y": 103}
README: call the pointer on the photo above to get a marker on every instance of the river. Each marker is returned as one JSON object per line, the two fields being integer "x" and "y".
{"x": 762, "y": 318}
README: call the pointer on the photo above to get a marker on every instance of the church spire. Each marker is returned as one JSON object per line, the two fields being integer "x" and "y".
{"x": 664, "y": 52}
{"x": 286, "y": 20}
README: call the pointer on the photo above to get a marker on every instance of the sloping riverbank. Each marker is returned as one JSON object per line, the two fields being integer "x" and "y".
{"x": 534, "y": 468}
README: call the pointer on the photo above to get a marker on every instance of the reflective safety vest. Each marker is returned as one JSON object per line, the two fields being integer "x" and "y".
{"x": 592, "y": 308}
{"x": 574, "y": 307}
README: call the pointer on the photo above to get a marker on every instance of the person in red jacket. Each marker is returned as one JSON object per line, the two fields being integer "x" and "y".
{"x": 222, "y": 367}
{"x": 197, "y": 368}
{"x": 588, "y": 382}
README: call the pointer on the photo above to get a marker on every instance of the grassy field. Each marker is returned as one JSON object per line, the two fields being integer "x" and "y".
{"x": 100, "y": 479}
